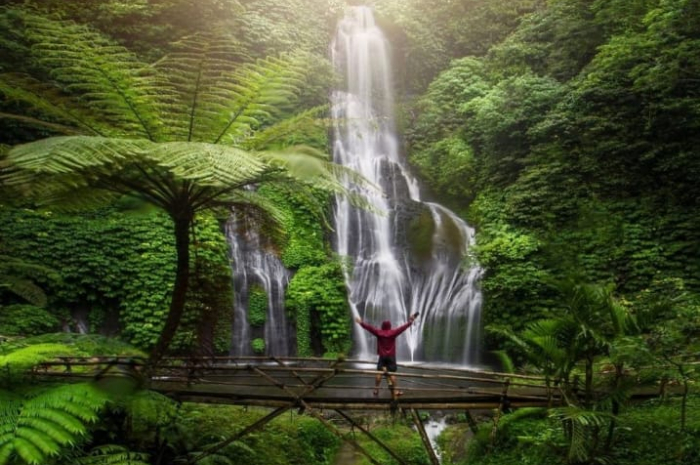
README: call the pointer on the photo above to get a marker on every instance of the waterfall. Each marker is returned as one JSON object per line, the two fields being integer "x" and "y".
{"x": 255, "y": 265}
{"x": 405, "y": 255}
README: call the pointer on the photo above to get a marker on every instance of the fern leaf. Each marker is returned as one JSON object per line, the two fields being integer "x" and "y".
{"x": 253, "y": 95}
{"x": 111, "y": 454}
{"x": 104, "y": 76}
{"x": 41, "y": 423}
{"x": 40, "y": 441}
{"x": 305, "y": 126}
{"x": 29, "y": 452}
{"x": 6, "y": 451}
{"x": 195, "y": 66}
{"x": 23, "y": 288}
{"x": 66, "y": 422}
{"x": 53, "y": 109}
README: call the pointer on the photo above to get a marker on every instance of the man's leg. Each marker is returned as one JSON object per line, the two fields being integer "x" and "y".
{"x": 392, "y": 367}
{"x": 378, "y": 378}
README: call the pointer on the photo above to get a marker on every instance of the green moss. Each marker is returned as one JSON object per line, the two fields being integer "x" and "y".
{"x": 26, "y": 320}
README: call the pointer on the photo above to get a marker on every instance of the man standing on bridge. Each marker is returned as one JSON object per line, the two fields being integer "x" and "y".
{"x": 386, "y": 349}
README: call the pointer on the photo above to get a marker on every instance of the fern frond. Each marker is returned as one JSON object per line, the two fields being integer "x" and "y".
{"x": 196, "y": 66}
{"x": 507, "y": 364}
{"x": 312, "y": 167}
{"x": 41, "y": 423}
{"x": 296, "y": 130}
{"x": 209, "y": 164}
{"x": 52, "y": 109}
{"x": 105, "y": 77}
{"x": 111, "y": 454}
{"x": 254, "y": 94}
{"x": 23, "y": 288}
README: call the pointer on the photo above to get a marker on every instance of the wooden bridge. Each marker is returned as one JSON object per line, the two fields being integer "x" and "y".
{"x": 313, "y": 385}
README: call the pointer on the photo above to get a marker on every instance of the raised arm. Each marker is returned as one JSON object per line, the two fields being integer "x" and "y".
{"x": 367, "y": 326}
{"x": 406, "y": 325}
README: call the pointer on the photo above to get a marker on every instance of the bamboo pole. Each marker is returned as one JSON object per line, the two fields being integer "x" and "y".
{"x": 424, "y": 436}
{"x": 371, "y": 436}
{"x": 258, "y": 424}
{"x": 310, "y": 411}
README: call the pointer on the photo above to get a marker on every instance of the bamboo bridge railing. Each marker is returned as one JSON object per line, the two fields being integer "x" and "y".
{"x": 313, "y": 385}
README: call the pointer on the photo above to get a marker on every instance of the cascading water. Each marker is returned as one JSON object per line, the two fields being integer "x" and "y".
{"x": 411, "y": 257}
{"x": 254, "y": 265}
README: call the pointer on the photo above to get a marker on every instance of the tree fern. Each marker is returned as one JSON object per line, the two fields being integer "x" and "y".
{"x": 212, "y": 102}
{"x": 223, "y": 101}
{"x": 40, "y": 423}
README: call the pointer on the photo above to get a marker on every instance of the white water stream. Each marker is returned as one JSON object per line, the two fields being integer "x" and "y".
{"x": 387, "y": 281}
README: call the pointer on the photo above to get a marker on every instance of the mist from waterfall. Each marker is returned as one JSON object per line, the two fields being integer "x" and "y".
{"x": 388, "y": 279}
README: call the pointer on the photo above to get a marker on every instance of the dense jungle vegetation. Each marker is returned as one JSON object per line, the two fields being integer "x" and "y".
{"x": 565, "y": 131}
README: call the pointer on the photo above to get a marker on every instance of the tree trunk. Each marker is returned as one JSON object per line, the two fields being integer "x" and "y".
{"x": 182, "y": 276}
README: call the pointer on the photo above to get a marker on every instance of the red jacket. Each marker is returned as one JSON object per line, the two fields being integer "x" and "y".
{"x": 386, "y": 337}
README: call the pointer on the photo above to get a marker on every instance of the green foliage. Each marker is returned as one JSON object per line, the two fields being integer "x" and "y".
{"x": 648, "y": 434}
{"x": 118, "y": 268}
{"x": 257, "y": 306}
{"x": 38, "y": 424}
{"x": 26, "y": 320}
{"x": 15, "y": 362}
{"x": 403, "y": 440}
{"x": 111, "y": 455}
{"x": 287, "y": 439}
{"x": 79, "y": 345}
{"x": 576, "y": 132}
{"x": 316, "y": 299}
{"x": 258, "y": 345}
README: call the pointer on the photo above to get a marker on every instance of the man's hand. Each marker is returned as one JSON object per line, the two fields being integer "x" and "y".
{"x": 413, "y": 317}
{"x": 358, "y": 319}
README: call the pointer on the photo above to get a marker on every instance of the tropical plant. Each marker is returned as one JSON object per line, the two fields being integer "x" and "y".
{"x": 169, "y": 133}
{"x": 110, "y": 455}
{"x": 38, "y": 422}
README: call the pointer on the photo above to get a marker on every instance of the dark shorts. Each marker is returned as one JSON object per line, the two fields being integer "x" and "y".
{"x": 388, "y": 362}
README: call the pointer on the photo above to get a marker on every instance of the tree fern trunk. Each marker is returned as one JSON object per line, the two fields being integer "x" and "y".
{"x": 182, "y": 276}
